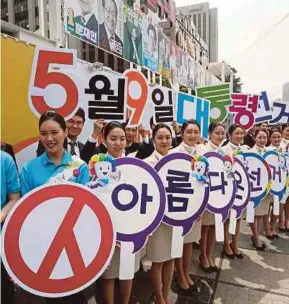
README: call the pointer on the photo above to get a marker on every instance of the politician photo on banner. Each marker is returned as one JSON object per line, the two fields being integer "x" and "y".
{"x": 110, "y": 36}
{"x": 81, "y": 20}
{"x": 132, "y": 35}
{"x": 164, "y": 54}
{"x": 150, "y": 42}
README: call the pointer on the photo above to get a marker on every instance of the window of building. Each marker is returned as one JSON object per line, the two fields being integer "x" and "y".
{"x": 120, "y": 65}
{"x": 200, "y": 24}
{"x": 100, "y": 57}
{"x": 110, "y": 60}
{"x": 21, "y": 19}
{"x": 20, "y": 6}
{"x": 145, "y": 72}
{"x": 83, "y": 55}
{"x": 195, "y": 19}
{"x": 205, "y": 27}
{"x": 91, "y": 54}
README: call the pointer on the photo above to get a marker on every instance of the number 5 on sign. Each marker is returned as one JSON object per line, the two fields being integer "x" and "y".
{"x": 52, "y": 85}
{"x": 137, "y": 93}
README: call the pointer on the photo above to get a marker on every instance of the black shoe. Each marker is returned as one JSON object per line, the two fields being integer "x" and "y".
{"x": 262, "y": 248}
{"x": 270, "y": 237}
{"x": 282, "y": 229}
{"x": 276, "y": 236}
{"x": 215, "y": 268}
{"x": 205, "y": 269}
{"x": 230, "y": 256}
{"x": 237, "y": 255}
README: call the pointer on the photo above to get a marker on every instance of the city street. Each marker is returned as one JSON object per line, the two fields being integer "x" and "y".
{"x": 260, "y": 278}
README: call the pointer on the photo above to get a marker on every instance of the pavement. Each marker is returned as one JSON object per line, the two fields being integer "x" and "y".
{"x": 260, "y": 278}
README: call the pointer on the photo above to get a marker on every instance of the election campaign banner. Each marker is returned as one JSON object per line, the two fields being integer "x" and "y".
{"x": 150, "y": 42}
{"x": 81, "y": 19}
{"x": 133, "y": 45}
{"x": 110, "y": 31}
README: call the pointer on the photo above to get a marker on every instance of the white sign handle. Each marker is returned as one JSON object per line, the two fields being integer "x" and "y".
{"x": 127, "y": 261}
{"x": 250, "y": 213}
{"x": 284, "y": 198}
{"x": 177, "y": 242}
{"x": 233, "y": 221}
{"x": 219, "y": 226}
{"x": 276, "y": 206}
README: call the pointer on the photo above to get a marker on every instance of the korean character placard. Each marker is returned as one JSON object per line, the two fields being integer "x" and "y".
{"x": 107, "y": 93}
{"x": 192, "y": 107}
{"x": 186, "y": 197}
{"x": 162, "y": 100}
{"x": 220, "y": 98}
{"x": 222, "y": 189}
{"x": 280, "y": 113}
{"x": 263, "y": 113}
{"x": 243, "y": 190}
{"x": 277, "y": 164}
{"x": 260, "y": 181}
{"x": 244, "y": 107}
{"x": 136, "y": 205}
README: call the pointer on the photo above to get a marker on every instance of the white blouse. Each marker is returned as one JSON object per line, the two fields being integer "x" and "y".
{"x": 210, "y": 147}
{"x": 191, "y": 150}
{"x": 230, "y": 148}
{"x": 153, "y": 158}
{"x": 259, "y": 150}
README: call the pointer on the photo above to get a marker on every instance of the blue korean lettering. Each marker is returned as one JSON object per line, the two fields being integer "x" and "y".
{"x": 221, "y": 184}
{"x": 276, "y": 171}
{"x": 282, "y": 116}
{"x": 178, "y": 183}
{"x": 240, "y": 188}
{"x": 201, "y": 114}
{"x": 255, "y": 178}
{"x": 145, "y": 198}
{"x": 264, "y": 103}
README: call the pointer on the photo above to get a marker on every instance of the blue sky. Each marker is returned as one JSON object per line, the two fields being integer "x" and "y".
{"x": 241, "y": 23}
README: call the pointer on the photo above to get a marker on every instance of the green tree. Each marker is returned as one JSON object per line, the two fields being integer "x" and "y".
{"x": 237, "y": 82}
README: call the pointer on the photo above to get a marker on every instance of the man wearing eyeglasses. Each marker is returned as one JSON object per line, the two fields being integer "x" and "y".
{"x": 74, "y": 127}
{"x": 108, "y": 39}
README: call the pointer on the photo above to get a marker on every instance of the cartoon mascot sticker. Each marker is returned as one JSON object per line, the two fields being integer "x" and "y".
{"x": 200, "y": 168}
{"x": 102, "y": 169}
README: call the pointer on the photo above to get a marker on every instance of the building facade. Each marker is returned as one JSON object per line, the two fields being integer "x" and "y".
{"x": 25, "y": 13}
{"x": 179, "y": 27}
{"x": 206, "y": 23}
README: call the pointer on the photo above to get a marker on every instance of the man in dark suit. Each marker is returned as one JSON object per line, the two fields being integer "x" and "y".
{"x": 88, "y": 20}
{"x": 74, "y": 127}
{"x": 108, "y": 39}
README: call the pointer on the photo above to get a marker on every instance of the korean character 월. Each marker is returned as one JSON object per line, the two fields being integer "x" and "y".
{"x": 108, "y": 103}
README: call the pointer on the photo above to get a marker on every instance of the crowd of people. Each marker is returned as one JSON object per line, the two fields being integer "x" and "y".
{"x": 59, "y": 144}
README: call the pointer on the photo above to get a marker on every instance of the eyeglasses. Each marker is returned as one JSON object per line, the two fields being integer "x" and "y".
{"x": 110, "y": 12}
